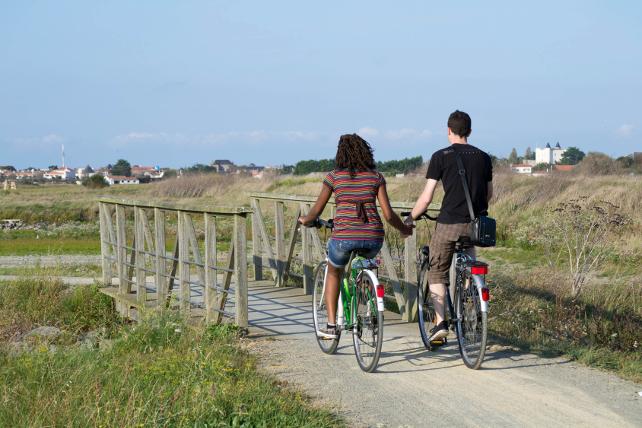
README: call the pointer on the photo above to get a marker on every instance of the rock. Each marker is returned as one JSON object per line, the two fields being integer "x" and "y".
{"x": 47, "y": 334}
{"x": 91, "y": 339}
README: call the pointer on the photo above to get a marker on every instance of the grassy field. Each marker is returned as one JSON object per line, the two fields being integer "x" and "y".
{"x": 157, "y": 373}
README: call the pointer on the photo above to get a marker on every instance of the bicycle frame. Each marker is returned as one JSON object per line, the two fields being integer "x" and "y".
{"x": 345, "y": 315}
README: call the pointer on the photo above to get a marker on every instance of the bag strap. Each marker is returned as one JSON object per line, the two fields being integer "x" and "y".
{"x": 462, "y": 174}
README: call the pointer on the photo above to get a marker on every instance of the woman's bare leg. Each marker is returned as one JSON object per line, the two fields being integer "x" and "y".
{"x": 332, "y": 292}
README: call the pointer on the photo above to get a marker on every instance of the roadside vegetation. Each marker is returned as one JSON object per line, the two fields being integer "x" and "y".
{"x": 66, "y": 350}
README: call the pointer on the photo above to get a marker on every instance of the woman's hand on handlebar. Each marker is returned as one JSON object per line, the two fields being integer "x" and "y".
{"x": 304, "y": 221}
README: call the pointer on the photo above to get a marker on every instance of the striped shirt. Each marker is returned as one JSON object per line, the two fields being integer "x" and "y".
{"x": 356, "y": 217}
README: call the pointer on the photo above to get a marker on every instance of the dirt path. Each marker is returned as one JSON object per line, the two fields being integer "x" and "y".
{"x": 22, "y": 261}
{"x": 414, "y": 387}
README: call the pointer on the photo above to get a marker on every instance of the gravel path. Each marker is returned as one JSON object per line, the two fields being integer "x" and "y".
{"x": 415, "y": 388}
{"x": 22, "y": 261}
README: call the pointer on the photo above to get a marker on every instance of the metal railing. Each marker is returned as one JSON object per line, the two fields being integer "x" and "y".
{"x": 132, "y": 248}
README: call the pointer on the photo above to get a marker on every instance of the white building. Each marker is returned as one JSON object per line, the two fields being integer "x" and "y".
{"x": 522, "y": 168}
{"x": 63, "y": 174}
{"x": 121, "y": 179}
{"x": 549, "y": 155}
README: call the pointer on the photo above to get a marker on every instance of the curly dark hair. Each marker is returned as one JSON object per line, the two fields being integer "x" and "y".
{"x": 354, "y": 154}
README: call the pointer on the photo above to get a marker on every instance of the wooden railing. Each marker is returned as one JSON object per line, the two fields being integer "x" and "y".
{"x": 305, "y": 246}
{"x": 132, "y": 248}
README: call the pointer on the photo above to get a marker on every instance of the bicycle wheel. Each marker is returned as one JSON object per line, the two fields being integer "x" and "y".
{"x": 367, "y": 332}
{"x": 425, "y": 306}
{"x": 472, "y": 323}
{"x": 320, "y": 311}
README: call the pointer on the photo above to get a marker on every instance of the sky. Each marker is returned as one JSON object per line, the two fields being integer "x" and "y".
{"x": 176, "y": 83}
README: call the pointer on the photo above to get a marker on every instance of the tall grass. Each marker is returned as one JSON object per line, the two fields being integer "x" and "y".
{"x": 160, "y": 372}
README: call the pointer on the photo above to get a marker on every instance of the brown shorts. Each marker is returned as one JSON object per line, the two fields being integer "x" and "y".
{"x": 442, "y": 248}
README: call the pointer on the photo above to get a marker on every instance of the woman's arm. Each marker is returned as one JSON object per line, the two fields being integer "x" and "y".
{"x": 391, "y": 217}
{"x": 424, "y": 199}
{"x": 318, "y": 206}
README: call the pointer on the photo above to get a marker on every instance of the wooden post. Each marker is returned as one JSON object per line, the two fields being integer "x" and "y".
{"x": 410, "y": 277}
{"x": 279, "y": 235}
{"x": 104, "y": 245}
{"x": 267, "y": 248}
{"x": 141, "y": 291}
{"x": 210, "y": 266}
{"x": 183, "y": 266}
{"x": 394, "y": 279}
{"x": 257, "y": 254}
{"x": 240, "y": 270}
{"x": 308, "y": 286}
{"x": 293, "y": 238}
{"x": 121, "y": 257}
{"x": 159, "y": 254}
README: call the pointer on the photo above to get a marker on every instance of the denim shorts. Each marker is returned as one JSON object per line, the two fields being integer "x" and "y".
{"x": 339, "y": 250}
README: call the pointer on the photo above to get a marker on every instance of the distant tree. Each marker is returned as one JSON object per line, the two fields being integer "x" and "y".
{"x": 541, "y": 167}
{"x": 402, "y": 166}
{"x": 8, "y": 167}
{"x": 572, "y": 156}
{"x": 199, "y": 168}
{"x": 96, "y": 181}
{"x": 513, "y": 158}
{"x": 308, "y": 166}
{"x": 51, "y": 167}
{"x": 595, "y": 163}
{"x": 529, "y": 154}
{"x": 89, "y": 169}
{"x": 287, "y": 169}
{"x": 170, "y": 173}
{"x": 625, "y": 162}
{"x": 122, "y": 167}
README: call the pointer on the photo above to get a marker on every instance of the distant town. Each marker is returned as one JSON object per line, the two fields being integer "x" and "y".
{"x": 541, "y": 161}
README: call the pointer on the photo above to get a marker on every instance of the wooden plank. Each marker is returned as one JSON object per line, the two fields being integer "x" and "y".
{"x": 139, "y": 248}
{"x": 172, "y": 273}
{"x": 267, "y": 248}
{"x": 183, "y": 266}
{"x": 210, "y": 263}
{"x": 227, "y": 281}
{"x": 410, "y": 277}
{"x": 193, "y": 244}
{"x": 219, "y": 211}
{"x": 121, "y": 255}
{"x": 240, "y": 271}
{"x": 308, "y": 286}
{"x": 394, "y": 279}
{"x": 293, "y": 238}
{"x": 279, "y": 241}
{"x": 104, "y": 246}
{"x": 257, "y": 255}
{"x": 159, "y": 252}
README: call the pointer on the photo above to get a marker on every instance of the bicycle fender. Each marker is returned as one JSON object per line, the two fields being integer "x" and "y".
{"x": 480, "y": 283}
{"x": 375, "y": 282}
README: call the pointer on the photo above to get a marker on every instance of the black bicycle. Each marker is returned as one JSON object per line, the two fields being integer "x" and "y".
{"x": 468, "y": 311}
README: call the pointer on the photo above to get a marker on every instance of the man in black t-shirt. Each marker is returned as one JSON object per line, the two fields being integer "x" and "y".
{"x": 454, "y": 218}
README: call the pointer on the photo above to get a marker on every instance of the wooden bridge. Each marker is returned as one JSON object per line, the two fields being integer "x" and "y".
{"x": 195, "y": 261}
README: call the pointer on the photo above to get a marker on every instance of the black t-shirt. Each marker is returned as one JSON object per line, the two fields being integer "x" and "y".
{"x": 479, "y": 171}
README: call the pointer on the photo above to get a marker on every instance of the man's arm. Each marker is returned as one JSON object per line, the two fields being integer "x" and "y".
{"x": 489, "y": 192}
{"x": 424, "y": 199}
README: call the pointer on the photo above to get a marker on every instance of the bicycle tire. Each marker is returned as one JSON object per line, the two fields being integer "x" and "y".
{"x": 425, "y": 306}
{"x": 367, "y": 331}
{"x": 472, "y": 323}
{"x": 319, "y": 311}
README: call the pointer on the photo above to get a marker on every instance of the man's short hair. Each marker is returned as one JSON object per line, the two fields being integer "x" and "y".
{"x": 459, "y": 122}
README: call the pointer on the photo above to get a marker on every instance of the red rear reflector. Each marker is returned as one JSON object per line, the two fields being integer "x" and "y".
{"x": 479, "y": 270}
{"x": 485, "y": 294}
{"x": 380, "y": 291}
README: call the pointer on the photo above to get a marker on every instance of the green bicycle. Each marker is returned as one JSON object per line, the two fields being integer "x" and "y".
{"x": 360, "y": 307}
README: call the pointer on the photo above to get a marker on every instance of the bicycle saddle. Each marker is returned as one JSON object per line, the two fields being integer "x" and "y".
{"x": 364, "y": 263}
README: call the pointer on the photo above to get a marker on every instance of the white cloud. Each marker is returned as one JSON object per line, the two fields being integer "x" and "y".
{"x": 408, "y": 134}
{"x": 41, "y": 142}
{"x": 367, "y": 132}
{"x": 625, "y": 130}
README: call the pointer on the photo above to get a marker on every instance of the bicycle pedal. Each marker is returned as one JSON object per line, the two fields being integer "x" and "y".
{"x": 437, "y": 343}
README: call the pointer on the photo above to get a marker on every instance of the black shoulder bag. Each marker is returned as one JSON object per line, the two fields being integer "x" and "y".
{"x": 482, "y": 232}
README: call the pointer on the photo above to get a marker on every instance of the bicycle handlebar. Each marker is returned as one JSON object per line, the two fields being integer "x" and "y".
{"x": 319, "y": 223}
{"x": 423, "y": 215}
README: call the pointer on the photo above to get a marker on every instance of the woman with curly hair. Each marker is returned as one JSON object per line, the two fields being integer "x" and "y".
{"x": 356, "y": 185}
